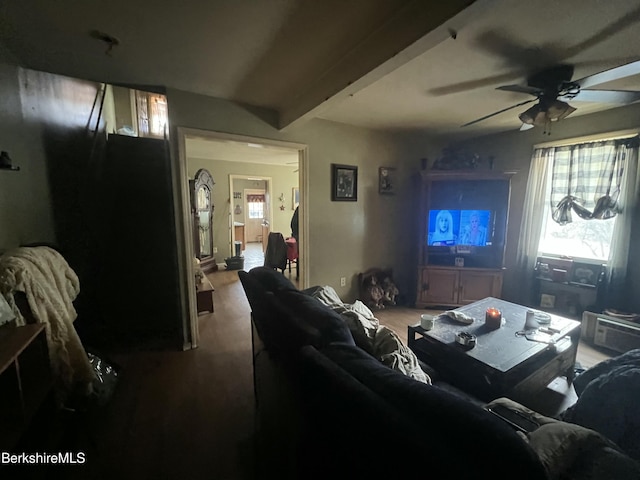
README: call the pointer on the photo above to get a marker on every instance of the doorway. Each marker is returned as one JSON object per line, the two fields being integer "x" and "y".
{"x": 247, "y": 150}
{"x": 252, "y": 210}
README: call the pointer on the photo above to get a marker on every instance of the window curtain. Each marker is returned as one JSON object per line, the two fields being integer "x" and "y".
{"x": 532, "y": 218}
{"x": 255, "y": 198}
{"x": 617, "y": 291}
{"x": 586, "y": 179}
{"x": 606, "y": 191}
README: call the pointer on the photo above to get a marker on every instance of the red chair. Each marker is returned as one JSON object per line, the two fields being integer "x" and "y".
{"x": 292, "y": 254}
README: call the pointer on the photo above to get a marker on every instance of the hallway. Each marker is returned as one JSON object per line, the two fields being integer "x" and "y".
{"x": 254, "y": 257}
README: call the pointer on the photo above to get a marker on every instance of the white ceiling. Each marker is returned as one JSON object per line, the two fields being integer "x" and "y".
{"x": 236, "y": 151}
{"x": 389, "y": 64}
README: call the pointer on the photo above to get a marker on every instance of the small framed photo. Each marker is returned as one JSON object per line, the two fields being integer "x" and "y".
{"x": 386, "y": 180}
{"x": 344, "y": 183}
{"x": 295, "y": 198}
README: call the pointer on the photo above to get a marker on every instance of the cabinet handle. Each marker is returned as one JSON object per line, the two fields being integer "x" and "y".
{"x": 425, "y": 286}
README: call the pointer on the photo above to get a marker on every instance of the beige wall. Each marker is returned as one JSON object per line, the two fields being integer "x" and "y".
{"x": 345, "y": 238}
{"x": 283, "y": 179}
{"x": 512, "y": 151}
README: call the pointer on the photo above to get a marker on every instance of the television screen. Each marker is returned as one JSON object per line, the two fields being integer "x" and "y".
{"x": 443, "y": 227}
{"x": 459, "y": 227}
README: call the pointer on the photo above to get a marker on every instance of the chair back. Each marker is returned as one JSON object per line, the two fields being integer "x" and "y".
{"x": 275, "y": 255}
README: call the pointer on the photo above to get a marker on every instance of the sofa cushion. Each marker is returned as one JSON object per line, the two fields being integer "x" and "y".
{"x": 271, "y": 280}
{"x": 286, "y": 319}
{"x": 354, "y": 433}
{"x": 461, "y": 434}
{"x": 321, "y": 325}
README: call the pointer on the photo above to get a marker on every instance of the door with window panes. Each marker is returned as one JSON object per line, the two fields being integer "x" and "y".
{"x": 255, "y": 207}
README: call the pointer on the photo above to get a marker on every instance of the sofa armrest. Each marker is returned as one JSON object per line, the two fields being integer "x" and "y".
{"x": 572, "y": 452}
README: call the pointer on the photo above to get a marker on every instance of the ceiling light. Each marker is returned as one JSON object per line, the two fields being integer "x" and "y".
{"x": 546, "y": 111}
{"x": 529, "y": 116}
{"x": 558, "y": 110}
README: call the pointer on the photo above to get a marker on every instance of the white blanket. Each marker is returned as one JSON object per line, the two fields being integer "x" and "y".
{"x": 50, "y": 286}
{"x": 376, "y": 339}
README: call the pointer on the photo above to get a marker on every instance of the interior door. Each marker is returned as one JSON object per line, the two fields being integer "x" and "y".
{"x": 255, "y": 207}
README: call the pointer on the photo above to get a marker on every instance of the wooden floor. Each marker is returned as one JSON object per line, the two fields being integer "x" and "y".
{"x": 190, "y": 414}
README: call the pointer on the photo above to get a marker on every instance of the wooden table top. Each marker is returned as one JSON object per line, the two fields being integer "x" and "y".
{"x": 501, "y": 348}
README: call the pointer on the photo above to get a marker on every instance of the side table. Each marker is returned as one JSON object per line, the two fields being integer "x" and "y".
{"x": 25, "y": 379}
{"x": 204, "y": 296}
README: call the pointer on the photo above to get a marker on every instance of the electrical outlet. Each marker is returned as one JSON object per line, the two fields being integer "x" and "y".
{"x": 343, "y": 281}
{"x": 215, "y": 249}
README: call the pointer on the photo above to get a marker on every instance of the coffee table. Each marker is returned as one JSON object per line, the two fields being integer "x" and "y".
{"x": 502, "y": 363}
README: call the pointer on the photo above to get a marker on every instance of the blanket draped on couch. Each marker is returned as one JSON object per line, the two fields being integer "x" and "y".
{"x": 375, "y": 339}
{"x": 50, "y": 286}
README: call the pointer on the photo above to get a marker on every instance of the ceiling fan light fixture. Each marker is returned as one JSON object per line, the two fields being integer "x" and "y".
{"x": 558, "y": 110}
{"x": 530, "y": 115}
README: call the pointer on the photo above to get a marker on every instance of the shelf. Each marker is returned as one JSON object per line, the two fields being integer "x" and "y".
{"x": 13, "y": 169}
{"x": 570, "y": 284}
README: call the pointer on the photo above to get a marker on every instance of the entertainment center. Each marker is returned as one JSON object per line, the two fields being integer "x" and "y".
{"x": 463, "y": 227}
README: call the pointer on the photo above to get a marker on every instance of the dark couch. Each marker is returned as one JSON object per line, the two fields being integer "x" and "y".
{"x": 328, "y": 409}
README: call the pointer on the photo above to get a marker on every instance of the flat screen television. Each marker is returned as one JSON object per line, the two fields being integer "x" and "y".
{"x": 459, "y": 227}
{"x": 466, "y": 223}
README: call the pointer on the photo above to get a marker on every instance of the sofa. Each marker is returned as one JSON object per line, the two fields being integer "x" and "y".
{"x": 326, "y": 407}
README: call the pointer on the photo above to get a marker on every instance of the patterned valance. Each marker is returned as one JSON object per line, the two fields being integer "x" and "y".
{"x": 255, "y": 198}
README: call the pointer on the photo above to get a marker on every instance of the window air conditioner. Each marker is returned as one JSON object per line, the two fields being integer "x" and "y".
{"x": 616, "y": 335}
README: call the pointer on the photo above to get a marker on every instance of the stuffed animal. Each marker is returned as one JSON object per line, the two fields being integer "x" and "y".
{"x": 390, "y": 291}
{"x": 374, "y": 293}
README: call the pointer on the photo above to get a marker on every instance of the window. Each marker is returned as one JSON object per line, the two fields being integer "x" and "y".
{"x": 582, "y": 187}
{"x": 256, "y": 209}
{"x": 152, "y": 114}
{"x": 589, "y": 239}
{"x": 255, "y": 206}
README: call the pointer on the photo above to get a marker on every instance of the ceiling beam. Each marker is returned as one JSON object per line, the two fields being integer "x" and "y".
{"x": 415, "y": 29}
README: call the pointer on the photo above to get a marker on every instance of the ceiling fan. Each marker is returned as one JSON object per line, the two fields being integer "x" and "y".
{"x": 553, "y": 87}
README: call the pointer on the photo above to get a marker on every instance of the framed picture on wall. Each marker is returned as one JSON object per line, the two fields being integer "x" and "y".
{"x": 344, "y": 183}
{"x": 387, "y": 180}
{"x": 295, "y": 198}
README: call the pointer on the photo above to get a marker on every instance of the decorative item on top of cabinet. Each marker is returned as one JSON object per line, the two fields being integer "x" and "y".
{"x": 202, "y": 208}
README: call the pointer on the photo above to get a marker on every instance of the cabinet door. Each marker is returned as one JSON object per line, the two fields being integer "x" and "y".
{"x": 478, "y": 285}
{"x": 439, "y": 286}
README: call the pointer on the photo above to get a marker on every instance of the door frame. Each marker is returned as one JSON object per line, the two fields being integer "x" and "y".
{"x": 268, "y": 213}
{"x": 183, "y": 220}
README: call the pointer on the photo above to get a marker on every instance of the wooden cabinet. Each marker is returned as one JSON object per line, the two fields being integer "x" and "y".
{"x": 462, "y": 240}
{"x": 238, "y": 234}
{"x": 453, "y": 286}
{"x": 25, "y": 379}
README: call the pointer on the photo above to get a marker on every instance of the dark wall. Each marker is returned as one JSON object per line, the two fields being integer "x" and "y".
{"x": 64, "y": 141}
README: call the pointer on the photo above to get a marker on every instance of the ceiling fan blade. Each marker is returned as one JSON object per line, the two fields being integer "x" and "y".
{"x": 610, "y": 75}
{"x": 499, "y": 111}
{"x": 604, "y": 96}
{"x": 521, "y": 89}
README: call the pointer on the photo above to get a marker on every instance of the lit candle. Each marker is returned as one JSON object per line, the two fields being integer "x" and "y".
{"x": 493, "y": 318}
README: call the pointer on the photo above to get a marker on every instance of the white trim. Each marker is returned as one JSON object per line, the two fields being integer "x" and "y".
{"x": 186, "y": 252}
{"x": 183, "y": 219}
